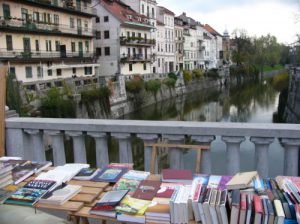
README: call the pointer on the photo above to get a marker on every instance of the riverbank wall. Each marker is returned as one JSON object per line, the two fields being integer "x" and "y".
{"x": 122, "y": 108}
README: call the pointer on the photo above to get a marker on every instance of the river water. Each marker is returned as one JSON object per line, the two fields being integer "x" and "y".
{"x": 250, "y": 102}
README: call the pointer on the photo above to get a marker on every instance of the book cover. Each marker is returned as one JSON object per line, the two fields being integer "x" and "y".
{"x": 7, "y": 192}
{"x": 175, "y": 175}
{"x": 86, "y": 174}
{"x": 21, "y": 172}
{"x": 165, "y": 191}
{"x": 126, "y": 184}
{"x": 147, "y": 189}
{"x": 36, "y": 166}
{"x": 129, "y": 166}
{"x": 133, "y": 206}
{"x": 60, "y": 194}
{"x": 241, "y": 180}
{"x": 136, "y": 175}
{"x": 5, "y": 168}
{"x": 40, "y": 184}
{"x": 25, "y": 196}
{"x": 110, "y": 199}
{"x": 201, "y": 178}
{"x": 110, "y": 174}
{"x": 214, "y": 181}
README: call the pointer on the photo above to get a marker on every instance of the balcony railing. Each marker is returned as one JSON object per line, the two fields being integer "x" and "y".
{"x": 137, "y": 41}
{"x": 21, "y": 54}
{"x": 137, "y": 58}
{"x": 65, "y": 5}
{"x": 25, "y": 137}
{"x": 43, "y": 27}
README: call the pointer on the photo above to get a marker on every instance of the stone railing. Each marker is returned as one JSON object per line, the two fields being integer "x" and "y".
{"x": 25, "y": 136}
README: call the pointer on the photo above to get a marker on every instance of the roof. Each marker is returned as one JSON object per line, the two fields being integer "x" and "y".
{"x": 166, "y": 11}
{"x": 124, "y": 13}
{"x": 187, "y": 20}
{"x": 211, "y": 30}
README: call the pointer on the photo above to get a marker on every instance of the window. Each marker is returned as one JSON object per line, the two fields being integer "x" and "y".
{"x": 58, "y": 72}
{"x": 130, "y": 67}
{"x": 36, "y": 17}
{"x": 88, "y": 70}
{"x": 105, "y": 18}
{"x": 56, "y": 19}
{"x": 158, "y": 62}
{"x": 12, "y": 70}
{"x": 49, "y": 72}
{"x": 57, "y": 45}
{"x": 128, "y": 34}
{"x": 39, "y": 71}
{"x": 37, "y": 45}
{"x": 153, "y": 15}
{"x": 98, "y": 34}
{"x": 87, "y": 46}
{"x": 9, "y": 44}
{"x": 6, "y": 11}
{"x": 145, "y": 66}
{"x": 74, "y": 71}
{"x": 72, "y": 23}
{"x": 28, "y": 70}
{"x": 107, "y": 51}
{"x": 98, "y": 51}
{"x": 143, "y": 8}
{"x": 133, "y": 34}
{"x": 97, "y": 19}
{"x": 106, "y": 34}
{"x": 73, "y": 46}
{"x": 86, "y": 26}
{"x": 48, "y": 45}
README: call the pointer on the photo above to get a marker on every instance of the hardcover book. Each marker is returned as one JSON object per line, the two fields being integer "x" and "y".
{"x": 173, "y": 175}
{"x": 147, "y": 189}
{"x": 30, "y": 193}
{"x": 111, "y": 175}
{"x": 86, "y": 174}
{"x": 241, "y": 180}
{"x": 60, "y": 194}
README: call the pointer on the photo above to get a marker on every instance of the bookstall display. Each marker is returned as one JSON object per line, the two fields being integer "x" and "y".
{"x": 120, "y": 194}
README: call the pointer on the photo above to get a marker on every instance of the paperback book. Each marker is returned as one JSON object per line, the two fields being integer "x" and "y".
{"x": 111, "y": 175}
{"x": 86, "y": 174}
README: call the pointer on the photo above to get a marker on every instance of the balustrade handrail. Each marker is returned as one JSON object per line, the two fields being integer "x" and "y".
{"x": 159, "y": 127}
{"x": 24, "y": 137}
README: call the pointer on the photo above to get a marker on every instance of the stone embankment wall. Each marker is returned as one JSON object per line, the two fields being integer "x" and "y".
{"x": 126, "y": 107}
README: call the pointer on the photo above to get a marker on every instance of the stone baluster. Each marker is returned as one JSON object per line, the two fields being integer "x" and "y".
{"x": 262, "y": 154}
{"x": 58, "y": 147}
{"x": 291, "y": 153}
{"x": 176, "y": 160}
{"x": 78, "y": 146}
{"x": 125, "y": 150}
{"x": 14, "y": 142}
{"x": 102, "y": 158}
{"x": 37, "y": 146}
{"x": 233, "y": 153}
{"x": 148, "y": 139}
{"x": 205, "y": 154}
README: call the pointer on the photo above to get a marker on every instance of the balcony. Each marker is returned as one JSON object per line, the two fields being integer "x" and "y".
{"x": 137, "y": 41}
{"x": 63, "y": 6}
{"x": 25, "y": 137}
{"x": 137, "y": 58}
{"x": 18, "y": 25}
{"x": 20, "y": 54}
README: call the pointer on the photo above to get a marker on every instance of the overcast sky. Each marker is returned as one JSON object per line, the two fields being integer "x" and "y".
{"x": 258, "y": 17}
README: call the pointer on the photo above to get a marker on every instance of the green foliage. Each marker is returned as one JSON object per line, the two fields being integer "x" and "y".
{"x": 55, "y": 106}
{"x": 153, "y": 86}
{"x": 198, "y": 73}
{"x": 187, "y": 76}
{"x": 169, "y": 82}
{"x": 134, "y": 86}
{"x": 281, "y": 81}
{"x": 212, "y": 73}
{"x": 13, "y": 98}
{"x": 91, "y": 95}
{"x": 268, "y": 68}
{"x": 172, "y": 75}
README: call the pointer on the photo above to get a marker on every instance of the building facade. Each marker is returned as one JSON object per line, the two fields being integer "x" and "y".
{"x": 166, "y": 44}
{"x": 123, "y": 42}
{"x": 179, "y": 40}
{"x": 47, "y": 40}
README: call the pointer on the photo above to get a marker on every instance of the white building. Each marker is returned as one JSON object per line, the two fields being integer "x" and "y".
{"x": 123, "y": 40}
{"x": 44, "y": 41}
{"x": 166, "y": 40}
{"x": 179, "y": 41}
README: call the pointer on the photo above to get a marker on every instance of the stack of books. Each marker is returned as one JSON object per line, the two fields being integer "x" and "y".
{"x": 6, "y": 177}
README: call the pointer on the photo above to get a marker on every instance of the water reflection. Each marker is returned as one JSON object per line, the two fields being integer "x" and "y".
{"x": 251, "y": 102}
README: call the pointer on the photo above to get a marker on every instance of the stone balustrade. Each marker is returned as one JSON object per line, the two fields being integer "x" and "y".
{"x": 25, "y": 137}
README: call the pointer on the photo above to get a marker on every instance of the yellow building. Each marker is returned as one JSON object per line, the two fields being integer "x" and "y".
{"x": 43, "y": 40}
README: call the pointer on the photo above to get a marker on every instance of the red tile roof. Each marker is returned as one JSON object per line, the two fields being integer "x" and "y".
{"x": 123, "y": 12}
{"x": 211, "y": 30}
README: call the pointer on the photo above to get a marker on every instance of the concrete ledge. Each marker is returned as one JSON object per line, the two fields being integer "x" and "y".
{"x": 11, "y": 214}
